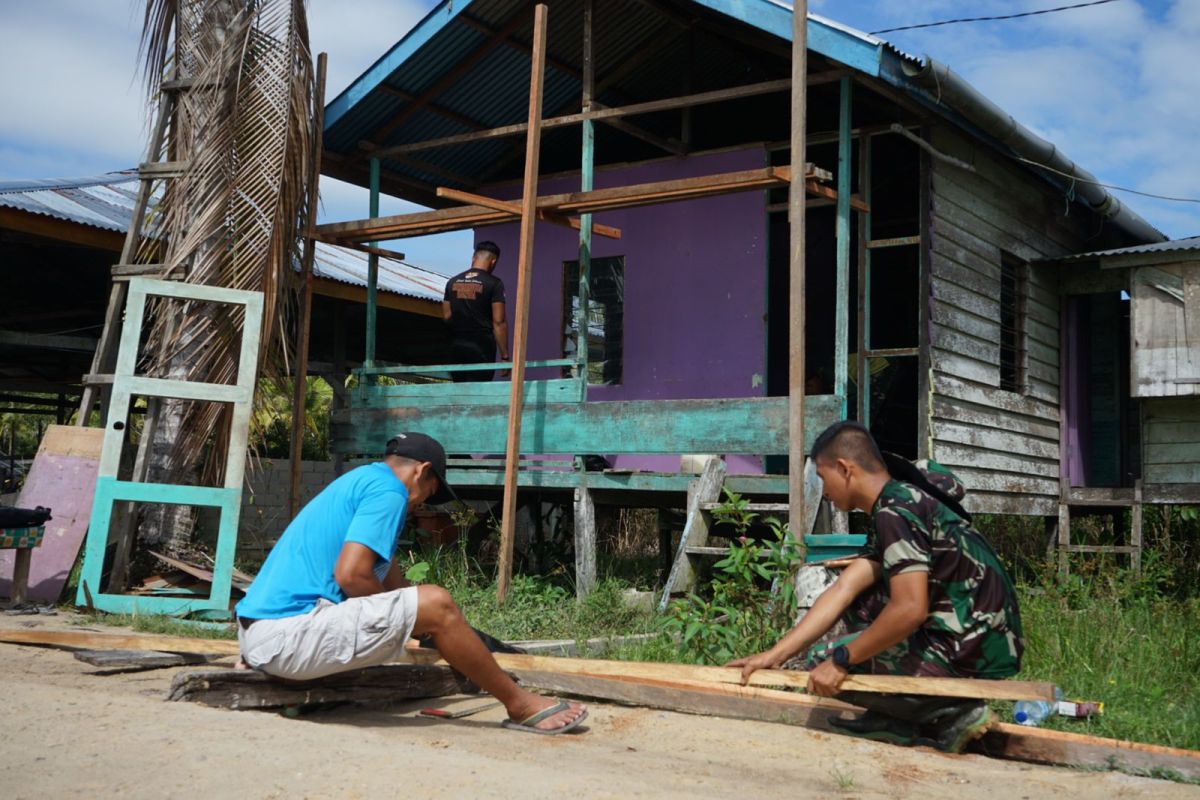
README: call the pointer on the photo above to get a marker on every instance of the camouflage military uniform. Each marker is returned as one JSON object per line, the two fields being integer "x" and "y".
{"x": 974, "y": 626}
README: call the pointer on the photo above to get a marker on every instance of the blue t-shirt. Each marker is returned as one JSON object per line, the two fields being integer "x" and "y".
{"x": 366, "y": 505}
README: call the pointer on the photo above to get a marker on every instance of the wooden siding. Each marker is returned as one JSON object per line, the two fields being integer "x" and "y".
{"x": 1166, "y": 330}
{"x": 1003, "y": 444}
{"x": 1171, "y": 440}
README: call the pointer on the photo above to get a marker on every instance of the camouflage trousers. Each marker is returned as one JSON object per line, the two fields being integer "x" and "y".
{"x": 913, "y": 656}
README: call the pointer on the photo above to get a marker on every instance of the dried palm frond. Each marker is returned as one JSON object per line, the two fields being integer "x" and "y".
{"x": 232, "y": 219}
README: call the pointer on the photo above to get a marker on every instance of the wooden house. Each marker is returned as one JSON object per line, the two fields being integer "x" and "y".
{"x": 933, "y": 294}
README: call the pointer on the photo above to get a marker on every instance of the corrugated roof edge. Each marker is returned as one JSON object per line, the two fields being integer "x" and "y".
{"x": 332, "y": 262}
{"x": 1185, "y": 245}
{"x": 43, "y": 184}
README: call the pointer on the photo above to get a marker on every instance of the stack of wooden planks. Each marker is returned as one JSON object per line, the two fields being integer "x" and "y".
{"x": 714, "y": 691}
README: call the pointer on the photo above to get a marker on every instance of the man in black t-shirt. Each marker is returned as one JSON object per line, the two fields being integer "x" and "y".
{"x": 473, "y": 308}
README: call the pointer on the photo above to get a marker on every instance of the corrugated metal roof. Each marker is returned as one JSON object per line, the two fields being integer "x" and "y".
{"x": 350, "y": 266}
{"x": 106, "y": 201}
{"x": 100, "y": 202}
{"x": 1177, "y": 245}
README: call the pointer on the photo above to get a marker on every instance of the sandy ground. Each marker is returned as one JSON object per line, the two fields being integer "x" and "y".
{"x": 70, "y": 732}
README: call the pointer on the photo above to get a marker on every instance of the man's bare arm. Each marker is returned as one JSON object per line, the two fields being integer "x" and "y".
{"x": 445, "y": 311}
{"x": 500, "y": 329}
{"x": 859, "y": 575}
{"x": 906, "y": 610}
{"x": 355, "y": 570}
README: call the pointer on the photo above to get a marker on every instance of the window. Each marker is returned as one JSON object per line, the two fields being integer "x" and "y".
{"x": 605, "y": 317}
{"x": 1014, "y": 278}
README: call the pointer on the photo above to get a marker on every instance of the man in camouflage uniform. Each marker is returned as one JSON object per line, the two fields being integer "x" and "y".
{"x": 929, "y": 597}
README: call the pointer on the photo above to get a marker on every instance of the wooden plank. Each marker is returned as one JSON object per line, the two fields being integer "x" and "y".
{"x": 515, "y": 208}
{"x": 61, "y": 478}
{"x": 128, "y": 660}
{"x": 1000, "y": 439}
{"x": 884, "y": 684}
{"x": 952, "y": 410}
{"x": 241, "y": 689}
{"x": 465, "y": 217}
{"x": 1042, "y": 746}
{"x": 1172, "y": 473}
{"x": 87, "y": 640}
{"x": 949, "y": 453}
{"x": 732, "y": 702}
{"x": 984, "y": 480}
{"x": 752, "y": 425}
{"x": 508, "y": 519}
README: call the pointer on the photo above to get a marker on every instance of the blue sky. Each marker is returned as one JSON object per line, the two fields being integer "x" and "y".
{"x": 1115, "y": 86}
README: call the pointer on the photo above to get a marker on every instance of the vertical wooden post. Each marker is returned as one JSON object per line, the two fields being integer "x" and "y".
{"x": 586, "y": 174}
{"x": 372, "y": 274}
{"x": 1135, "y": 537}
{"x": 585, "y": 509}
{"x": 796, "y": 315}
{"x": 841, "y": 350}
{"x": 521, "y": 323}
{"x": 339, "y": 372}
{"x": 306, "y": 273}
{"x": 863, "y": 393}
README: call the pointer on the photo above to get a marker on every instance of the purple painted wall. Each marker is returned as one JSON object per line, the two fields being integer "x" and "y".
{"x": 695, "y": 289}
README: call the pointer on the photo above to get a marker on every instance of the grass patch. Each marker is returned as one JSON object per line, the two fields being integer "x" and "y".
{"x": 167, "y": 626}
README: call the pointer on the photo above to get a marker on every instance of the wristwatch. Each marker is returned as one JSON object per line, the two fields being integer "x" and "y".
{"x": 841, "y": 656}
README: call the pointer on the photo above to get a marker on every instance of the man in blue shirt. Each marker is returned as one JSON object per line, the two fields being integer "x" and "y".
{"x": 329, "y": 597}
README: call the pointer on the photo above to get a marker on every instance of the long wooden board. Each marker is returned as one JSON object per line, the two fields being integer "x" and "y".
{"x": 86, "y": 640}
{"x": 890, "y": 684}
{"x": 1079, "y": 750}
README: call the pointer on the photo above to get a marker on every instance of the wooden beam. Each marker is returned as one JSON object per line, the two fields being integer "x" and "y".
{"x": 300, "y": 381}
{"x": 597, "y": 114}
{"x": 60, "y": 230}
{"x": 85, "y": 640}
{"x": 730, "y": 702}
{"x": 515, "y": 208}
{"x": 47, "y": 341}
{"x": 465, "y": 217}
{"x": 327, "y": 287}
{"x": 1042, "y": 746}
{"x": 241, "y": 689}
{"x": 796, "y": 298}
{"x": 524, "y": 279}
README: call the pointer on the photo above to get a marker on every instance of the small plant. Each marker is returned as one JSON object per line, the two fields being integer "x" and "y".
{"x": 753, "y": 601}
{"x": 843, "y": 779}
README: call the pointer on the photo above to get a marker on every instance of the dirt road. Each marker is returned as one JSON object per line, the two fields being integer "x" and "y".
{"x": 72, "y": 733}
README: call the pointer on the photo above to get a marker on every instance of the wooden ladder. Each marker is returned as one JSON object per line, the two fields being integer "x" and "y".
{"x": 98, "y": 383}
{"x": 703, "y": 498}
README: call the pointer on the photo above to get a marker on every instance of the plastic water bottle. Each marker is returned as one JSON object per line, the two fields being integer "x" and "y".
{"x": 1034, "y": 712}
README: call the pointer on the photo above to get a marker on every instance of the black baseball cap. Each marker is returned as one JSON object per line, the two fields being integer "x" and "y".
{"x": 420, "y": 447}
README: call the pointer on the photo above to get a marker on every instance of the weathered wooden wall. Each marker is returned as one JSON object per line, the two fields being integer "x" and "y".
{"x": 1003, "y": 444}
{"x": 1166, "y": 330}
{"x": 1171, "y": 440}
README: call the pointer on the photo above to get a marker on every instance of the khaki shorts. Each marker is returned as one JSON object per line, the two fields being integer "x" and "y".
{"x": 333, "y": 637}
